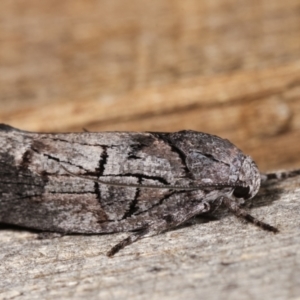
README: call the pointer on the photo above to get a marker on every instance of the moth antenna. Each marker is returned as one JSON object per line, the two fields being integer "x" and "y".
{"x": 280, "y": 175}
{"x": 241, "y": 213}
{"x": 148, "y": 186}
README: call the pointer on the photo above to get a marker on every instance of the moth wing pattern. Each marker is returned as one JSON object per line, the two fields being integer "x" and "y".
{"x": 42, "y": 195}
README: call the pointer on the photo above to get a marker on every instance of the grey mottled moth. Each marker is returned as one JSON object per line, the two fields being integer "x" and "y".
{"x": 143, "y": 183}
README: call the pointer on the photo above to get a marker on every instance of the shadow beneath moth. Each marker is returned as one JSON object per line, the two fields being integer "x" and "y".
{"x": 108, "y": 182}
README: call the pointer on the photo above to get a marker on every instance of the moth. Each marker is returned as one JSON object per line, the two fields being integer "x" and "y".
{"x": 108, "y": 182}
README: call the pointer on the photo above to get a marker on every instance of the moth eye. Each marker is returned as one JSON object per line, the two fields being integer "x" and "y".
{"x": 241, "y": 192}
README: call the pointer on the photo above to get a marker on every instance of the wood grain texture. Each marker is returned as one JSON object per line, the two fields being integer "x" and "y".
{"x": 229, "y": 68}
{"x": 226, "y": 67}
{"x": 225, "y": 258}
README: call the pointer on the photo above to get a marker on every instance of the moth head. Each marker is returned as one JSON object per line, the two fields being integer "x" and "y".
{"x": 249, "y": 180}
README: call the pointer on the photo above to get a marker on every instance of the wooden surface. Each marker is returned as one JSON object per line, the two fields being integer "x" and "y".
{"x": 229, "y": 67}
{"x": 221, "y": 259}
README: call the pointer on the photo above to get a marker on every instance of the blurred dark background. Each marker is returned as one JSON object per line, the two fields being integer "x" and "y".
{"x": 226, "y": 67}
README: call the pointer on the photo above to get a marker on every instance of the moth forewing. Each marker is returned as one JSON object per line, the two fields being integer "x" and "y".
{"x": 107, "y": 182}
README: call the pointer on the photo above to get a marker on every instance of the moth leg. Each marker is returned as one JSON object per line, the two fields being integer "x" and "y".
{"x": 213, "y": 208}
{"x": 241, "y": 213}
{"x": 49, "y": 235}
{"x": 216, "y": 204}
{"x": 129, "y": 240}
{"x": 166, "y": 222}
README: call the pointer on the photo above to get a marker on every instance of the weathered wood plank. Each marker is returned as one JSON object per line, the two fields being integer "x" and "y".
{"x": 228, "y": 67}
{"x": 256, "y": 110}
{"x": 225, "y": 258}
